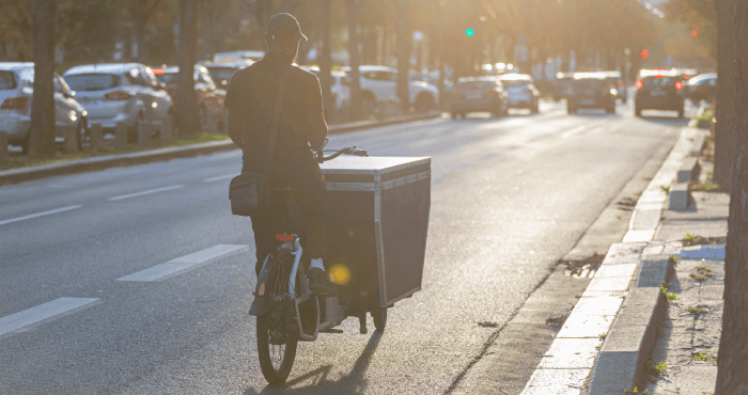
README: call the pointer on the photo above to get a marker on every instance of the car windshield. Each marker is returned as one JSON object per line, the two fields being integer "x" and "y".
{"x": 92, "y": 82}
{"x": 221, "y": 73}
{"x": 658, "y": 82}
{"x": 515, "y": 83}
{"x": 475, "y": 85}
{"x": 7, "y": 80}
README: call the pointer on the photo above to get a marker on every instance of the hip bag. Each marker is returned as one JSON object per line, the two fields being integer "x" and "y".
{"x": 249, "y": 192}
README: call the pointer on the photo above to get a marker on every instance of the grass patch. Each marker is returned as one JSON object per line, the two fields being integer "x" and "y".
{"x": 698, "y": 310}
{"x": 704, "y": 187}
{"x": 701, "y": 357}
{"x": 671, "y": 297}
{"x": 665, "y": 189}
{"x": 635, "y": 391}
{"x": 21, "y": 161}
{"x": 674, "y": 259}
{"x": 652, "y": 370}
{"x": 603, "y": 335}
{"x": 703, "y": 273}
{"x": 692, "y": 240}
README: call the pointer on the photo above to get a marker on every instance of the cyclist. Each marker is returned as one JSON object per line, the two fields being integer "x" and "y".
{"x": 251, "y": 99}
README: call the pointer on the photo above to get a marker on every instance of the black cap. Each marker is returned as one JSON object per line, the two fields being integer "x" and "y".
{"x": 283, "y": 26}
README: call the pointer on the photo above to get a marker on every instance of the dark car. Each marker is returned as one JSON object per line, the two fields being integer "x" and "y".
{"x": 659, "y": 90}
{"x": 702, "y": 87}
{"x": 591, "y": 91}
{"x": 222, "y": 72}
{"x": 478, "y": 95}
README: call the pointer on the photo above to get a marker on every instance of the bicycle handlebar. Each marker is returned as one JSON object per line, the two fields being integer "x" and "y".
{"x": 320, "y": 153}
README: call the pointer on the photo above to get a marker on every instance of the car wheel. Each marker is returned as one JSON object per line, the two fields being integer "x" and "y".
{"x": 24, "y": 143}
{"x": 81, "y": 135}
{"x": 637, "y": 111}
{"x": 132, "y": 133}
{"x": 424, "y": 102}
{"x": 455, "y": 115}
{"x": 535, "y": 108}
{"x": 571, "y": 110}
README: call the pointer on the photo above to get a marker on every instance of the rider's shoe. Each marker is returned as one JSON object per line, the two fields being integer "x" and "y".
{"x": 319, "y": 282}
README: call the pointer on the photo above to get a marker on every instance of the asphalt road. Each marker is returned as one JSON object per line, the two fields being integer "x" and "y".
{"x": 509, "y": 198}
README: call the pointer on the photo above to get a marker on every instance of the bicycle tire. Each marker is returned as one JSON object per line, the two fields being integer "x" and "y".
{"x": 266, "y": 324}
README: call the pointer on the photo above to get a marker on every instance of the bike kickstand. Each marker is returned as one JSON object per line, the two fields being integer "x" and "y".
{"x": 362, "y": 324}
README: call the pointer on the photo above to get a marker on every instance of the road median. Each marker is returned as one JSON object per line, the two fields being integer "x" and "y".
{"x": 96, "y": 163}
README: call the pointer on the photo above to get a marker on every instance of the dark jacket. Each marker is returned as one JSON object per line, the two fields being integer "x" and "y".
{"x": 251, "y": 99}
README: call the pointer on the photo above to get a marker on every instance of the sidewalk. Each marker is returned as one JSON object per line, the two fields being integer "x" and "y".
{"x": 690, "y": 334}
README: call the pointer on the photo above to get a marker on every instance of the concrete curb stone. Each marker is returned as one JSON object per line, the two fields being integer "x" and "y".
{"x": 23, "y": 174}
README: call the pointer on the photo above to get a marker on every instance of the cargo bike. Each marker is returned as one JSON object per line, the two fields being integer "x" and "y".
{"x": 378, "y": 213}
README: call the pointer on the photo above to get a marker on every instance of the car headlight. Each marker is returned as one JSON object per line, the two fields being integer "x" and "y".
{"x": 613, "y": 91}
{"x": 73, "y": 116}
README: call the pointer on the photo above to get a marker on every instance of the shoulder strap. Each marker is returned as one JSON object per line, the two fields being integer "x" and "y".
{"x": 276, "y": 124}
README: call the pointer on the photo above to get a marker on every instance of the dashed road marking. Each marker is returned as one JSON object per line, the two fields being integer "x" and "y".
{"x": 42, "y": 312}
{"x": 37, "y": 215}
{"x": 182, "y": 264}
{"x": 143, "y": 193}
{"x": 219, "y": 178}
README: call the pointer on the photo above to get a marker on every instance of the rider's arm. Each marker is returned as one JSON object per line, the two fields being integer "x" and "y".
{"x": 317, "y": 129}
{"x": 232, "y": 103}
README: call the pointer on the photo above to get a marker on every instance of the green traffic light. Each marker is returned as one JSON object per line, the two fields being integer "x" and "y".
{"x": 470, "y": 32}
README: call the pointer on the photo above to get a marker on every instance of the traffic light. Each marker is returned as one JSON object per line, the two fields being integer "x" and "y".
{"x": 645, "y": 53}
{"x": 470, "y": 32}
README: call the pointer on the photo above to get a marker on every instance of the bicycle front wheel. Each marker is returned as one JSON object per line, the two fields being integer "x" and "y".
{"x": 277, "y": 336}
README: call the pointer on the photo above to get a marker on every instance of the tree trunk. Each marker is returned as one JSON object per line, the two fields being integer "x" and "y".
{"x": 439, "y": 51}
{"x": 42, "y": 130}
{"x": 724, "y": 137}
{"x": 139, "y": 29}
{"x": 325, "y": 61}
{"x": 732, "y": 362}
{"x": 355, "y": 88}
{"x": 403, "y": 55}
{"x": 188, "y": 118}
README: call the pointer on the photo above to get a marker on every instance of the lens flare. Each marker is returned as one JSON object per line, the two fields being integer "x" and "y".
{"x": 341, "y": 275}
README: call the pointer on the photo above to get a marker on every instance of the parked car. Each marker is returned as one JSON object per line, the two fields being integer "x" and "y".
{"x": 221, "y": 73}
{"x": 209, "y": 97}
{"x": 340, "y": 87}
{"x": 616, "y": 81}
{"x": 521, "y": 90}
{"x": 562, "y": 85}
{"x": 478, "y": 95}
{"x": 126, "y": 93}
{"x": 379, "y": 84}
{"x": 659, "y": 90}
{"x": 591, "y": 90}
{"x": 16, "y": 93}
{"x": 702, "y": 87}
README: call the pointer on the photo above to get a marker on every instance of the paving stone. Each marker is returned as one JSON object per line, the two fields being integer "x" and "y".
{"x": 605, "y": 306}
{"x": 712, "y": 292}
{"x": 622, "y": 253}
{"x": 571, "y": 353}
{"x": 622, "y": 270}
{"x": 686, "y": 380}
{"x": 556, "y": 382}
{"x": 585, "y": 326}
{"x": 609, "y": 284}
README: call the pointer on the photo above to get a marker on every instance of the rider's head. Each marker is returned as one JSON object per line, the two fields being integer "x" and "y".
{"x": 282, "y": 34}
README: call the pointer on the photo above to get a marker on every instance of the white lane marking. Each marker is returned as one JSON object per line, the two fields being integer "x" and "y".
{"x": 42, "y": 312}
{"x": 219, "y": 178}
{"x": 37, "y": 215}
{"x": 143, "y": 193}
{"x": 187, "y": 262}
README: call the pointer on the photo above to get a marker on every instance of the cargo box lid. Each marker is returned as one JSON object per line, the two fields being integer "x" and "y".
{"x": 375, "y": 165}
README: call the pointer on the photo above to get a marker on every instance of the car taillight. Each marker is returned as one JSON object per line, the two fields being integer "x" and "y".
{"x": 14, "y": 103}
{"x": 118, "y": 95}
{"x": 639, "y": 84}
{"x": 620, "y": 84}
{"x": 678, "y": 85}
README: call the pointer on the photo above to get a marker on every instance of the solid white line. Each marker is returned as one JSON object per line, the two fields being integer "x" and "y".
{"x": 37, "y": 215}
{"x": 219, "y": 178}
{"x": 148, "y": 192}
{"x": 42, "y": 312}
{"x": 187, "y": 262}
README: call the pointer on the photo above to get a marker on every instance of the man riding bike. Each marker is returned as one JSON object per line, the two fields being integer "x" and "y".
{"x": 251, "y": 100}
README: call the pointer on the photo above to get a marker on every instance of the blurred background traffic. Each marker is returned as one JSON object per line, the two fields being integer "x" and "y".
{"x": 117, "y": 62}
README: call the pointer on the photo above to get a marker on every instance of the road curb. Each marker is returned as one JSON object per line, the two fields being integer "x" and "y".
{"x": 23, "y": 174}
{"x": 573, "y": 359}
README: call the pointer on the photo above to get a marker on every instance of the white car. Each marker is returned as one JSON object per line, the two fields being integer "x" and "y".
{"x": 125, "y": 93}
{"x": 16, "y": 92}
{"x": 521, "y": 91}
{"x": 379, "y": 84}
{"x": 340, "y": 87}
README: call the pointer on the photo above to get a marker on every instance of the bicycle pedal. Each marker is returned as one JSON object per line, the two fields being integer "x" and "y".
{"x": 331, "y": 330}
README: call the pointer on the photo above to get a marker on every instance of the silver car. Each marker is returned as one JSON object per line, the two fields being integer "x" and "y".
{"x": 16, "y": 91}
{"x": 120, "y": 93}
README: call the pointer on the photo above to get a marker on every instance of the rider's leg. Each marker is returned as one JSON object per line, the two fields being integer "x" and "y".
{"x": 264, "y": 238}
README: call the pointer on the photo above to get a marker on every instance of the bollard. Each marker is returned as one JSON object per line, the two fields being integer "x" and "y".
{"x": 144, "y": 134}
{"x": 70, "y": 146}
{"x": 120, "y": 135}
{"x": 96, "y": 136}
{"x": 166, "y": 129}
{"x": 4, "y": 146}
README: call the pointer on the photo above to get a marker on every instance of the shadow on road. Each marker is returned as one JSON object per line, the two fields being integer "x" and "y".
{"x": 665, "y": 120}
{"x": 352, "y": 383}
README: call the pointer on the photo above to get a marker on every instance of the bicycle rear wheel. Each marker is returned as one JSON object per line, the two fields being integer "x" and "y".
{"x": 277, "y": 332}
